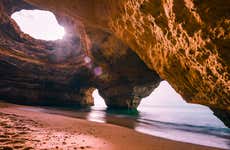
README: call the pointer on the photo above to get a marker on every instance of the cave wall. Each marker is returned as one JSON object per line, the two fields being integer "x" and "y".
{"x": 108, "y": 46}
{"x": 65, "y": 72}
{"x": 31, "y": 71}
{"x": 185, "y": 41}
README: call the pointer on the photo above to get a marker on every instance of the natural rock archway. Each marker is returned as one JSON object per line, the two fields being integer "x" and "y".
{"x": 185, "y": 42}
{"x": 65, "y": 72}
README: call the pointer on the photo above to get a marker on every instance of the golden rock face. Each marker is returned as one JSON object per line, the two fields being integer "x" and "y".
{"x": 66, "y": 72}
{"x": 185, "y": 41}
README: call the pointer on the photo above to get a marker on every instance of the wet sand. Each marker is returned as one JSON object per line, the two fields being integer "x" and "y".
{"x": 25, "y": 129}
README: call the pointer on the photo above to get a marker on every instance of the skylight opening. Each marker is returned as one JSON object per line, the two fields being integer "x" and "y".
{"x": 39, "y": 24}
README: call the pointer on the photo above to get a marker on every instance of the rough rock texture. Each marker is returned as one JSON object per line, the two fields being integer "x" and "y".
{"x": 185, "y": 41}
{"x": 66, "y": 72}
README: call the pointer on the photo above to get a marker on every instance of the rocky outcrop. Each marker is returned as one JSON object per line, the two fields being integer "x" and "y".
{"x": 29, "y": 68}
{"x": 65, "y": 72}
{"x": 185, "y": 42}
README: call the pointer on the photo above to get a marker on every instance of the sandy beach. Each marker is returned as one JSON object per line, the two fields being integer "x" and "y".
{"x": 25, "y": 129}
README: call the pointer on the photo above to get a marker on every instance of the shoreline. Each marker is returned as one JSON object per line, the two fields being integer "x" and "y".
{"x": 38, "y": 130}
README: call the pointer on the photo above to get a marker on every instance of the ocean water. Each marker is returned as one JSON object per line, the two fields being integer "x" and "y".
{"x": 191, "y": 124}
{"x": 164, "y": 114}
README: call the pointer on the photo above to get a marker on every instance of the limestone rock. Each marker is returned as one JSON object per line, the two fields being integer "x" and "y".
{"x": 185, "y": 41}
{"x": 65, "y": 72}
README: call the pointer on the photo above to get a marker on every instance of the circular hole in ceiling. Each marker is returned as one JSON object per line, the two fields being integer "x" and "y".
{"x": 39, "y": 24}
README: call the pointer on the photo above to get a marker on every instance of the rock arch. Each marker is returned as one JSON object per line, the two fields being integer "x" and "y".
{"x": 182, "y": 41}
{"x": 29, "y": 73}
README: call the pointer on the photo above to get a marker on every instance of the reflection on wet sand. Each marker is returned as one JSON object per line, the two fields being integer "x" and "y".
{"x": 112, "y": 116}
{"x": 216, "y": 136}
{"x": 158, "y": 122}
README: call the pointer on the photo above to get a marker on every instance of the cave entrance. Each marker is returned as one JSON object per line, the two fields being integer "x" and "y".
{"x": 163, "y": 95}
{"x": 39, "y": 24}
{"x": 166, "y": 105}
{"x": 98, "y": 100}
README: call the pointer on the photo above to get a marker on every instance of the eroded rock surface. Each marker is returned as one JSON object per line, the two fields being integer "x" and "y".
{"x": 66, "y": 72}
{"x": 185, "y": 42}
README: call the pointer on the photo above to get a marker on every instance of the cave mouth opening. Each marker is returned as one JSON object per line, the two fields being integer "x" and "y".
{"x": 163, "y": 95}
{"x": 99, "y": 102}
{"x": 39, "y": 24}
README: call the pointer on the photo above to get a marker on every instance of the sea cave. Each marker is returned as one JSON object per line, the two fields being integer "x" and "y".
{"x": 114, "y": 58}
